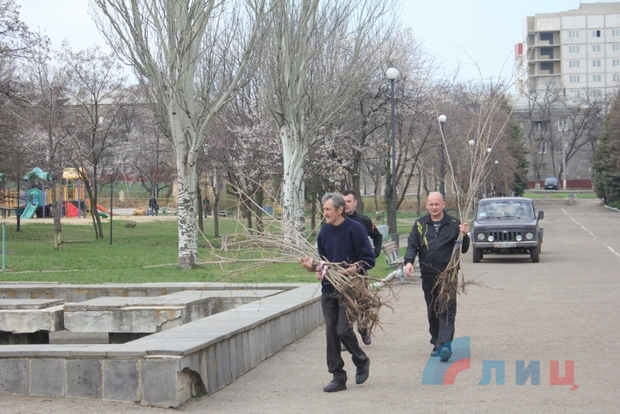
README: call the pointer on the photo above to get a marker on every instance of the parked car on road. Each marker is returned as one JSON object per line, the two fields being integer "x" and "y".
{"x": 551, "y": 183}
{"x": 506, "y": 225}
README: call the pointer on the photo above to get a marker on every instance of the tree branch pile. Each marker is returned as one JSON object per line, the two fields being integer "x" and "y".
{"x": 251, "y": 249}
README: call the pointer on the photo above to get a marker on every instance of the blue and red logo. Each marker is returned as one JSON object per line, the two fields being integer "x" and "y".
{"x": 445, "y": 373}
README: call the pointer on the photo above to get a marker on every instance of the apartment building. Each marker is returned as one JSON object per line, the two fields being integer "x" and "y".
{"x": 567, "y": 67}
{"x": 577, "y": 50}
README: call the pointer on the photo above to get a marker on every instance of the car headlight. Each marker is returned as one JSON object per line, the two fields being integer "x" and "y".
{"x": 480, "y": 236}
{"x": 529, "y": 236}
{"x": 519, "y": 238}
{"x": 491, "y": 238}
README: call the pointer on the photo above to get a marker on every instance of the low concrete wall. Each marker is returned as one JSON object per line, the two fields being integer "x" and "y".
{"x": 167, "y": 368}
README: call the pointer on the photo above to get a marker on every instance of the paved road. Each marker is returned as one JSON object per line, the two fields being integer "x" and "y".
{"x": 564, "y": 308}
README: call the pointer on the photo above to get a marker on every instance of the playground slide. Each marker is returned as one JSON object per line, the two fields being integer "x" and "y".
{"x": 72, "y": 211}
{"x": 101, "y": 209}
{"x": 29, "y": 211}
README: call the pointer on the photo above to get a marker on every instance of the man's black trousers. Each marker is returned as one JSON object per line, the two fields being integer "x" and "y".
{"x": 337, "y": 330}
{"x": 440, "y": 325}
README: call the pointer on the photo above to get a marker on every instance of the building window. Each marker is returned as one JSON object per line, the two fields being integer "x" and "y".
{"x": 538, "y": 125}
{"x": 573, "y": 64}
{"x": 596, "y": 63}
{"x": 596, "y": 33}
{"x": 615, "y": 47}
{"x": 573, "y": 79}
{"x": 573, "y": 49}
{"x": 573, "y": 34}
{"x": 616, "y": 77}
{"x": 615, "y": 62}
{"x": 596, "y": 78}
{"x": 562, "y": 124}
{"x": 615, "y": 32}
{"x": 596, "y": 48}
{"x": 542, "y": 147}
{"x": 576, "y": 93}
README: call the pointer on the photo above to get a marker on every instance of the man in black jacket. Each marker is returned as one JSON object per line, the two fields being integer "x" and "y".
{"x": 433, "y": 238}
{"x": 350, "y": 199}
{"x": 351, "y": 209}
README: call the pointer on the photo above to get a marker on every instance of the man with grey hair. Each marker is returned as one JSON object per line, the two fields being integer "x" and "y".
{"x": 341, "y": 240}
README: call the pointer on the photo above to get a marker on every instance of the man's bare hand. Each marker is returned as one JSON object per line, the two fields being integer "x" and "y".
{"x": 464, "y": 228}
{"x": 409, "y": 269}
{"x": 306, "y": 262}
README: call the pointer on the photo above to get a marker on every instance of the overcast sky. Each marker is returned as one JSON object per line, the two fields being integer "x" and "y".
{"x": 454, "y": 31}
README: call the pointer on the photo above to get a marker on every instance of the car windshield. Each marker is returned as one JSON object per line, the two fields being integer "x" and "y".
{"x": 504, "y": 209}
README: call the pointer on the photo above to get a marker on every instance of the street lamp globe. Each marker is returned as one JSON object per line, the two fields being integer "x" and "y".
{"x": 496, "y": 162}
{"x": 472, "y": 142}
{"x": 391, "y": 73}
{"x": 489, "y": 150}
{"x": 442, "y": 118}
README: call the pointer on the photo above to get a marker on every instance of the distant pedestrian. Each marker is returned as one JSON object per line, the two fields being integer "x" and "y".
{"x": 153, "y": 206}
{"x": 206, "y": 206}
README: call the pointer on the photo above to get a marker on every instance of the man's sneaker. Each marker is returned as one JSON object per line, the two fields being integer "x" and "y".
{"x": 444, "y": 354}
{"x": 335, "y": 386}
{"x": 435, "y": 353}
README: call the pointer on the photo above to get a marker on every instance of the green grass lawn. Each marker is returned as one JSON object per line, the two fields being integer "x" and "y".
{"x": 145, "y": 253}
{"x": 559, "y": 194}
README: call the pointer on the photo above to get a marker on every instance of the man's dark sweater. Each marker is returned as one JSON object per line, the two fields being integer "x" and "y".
{"x": 348, "y": 243}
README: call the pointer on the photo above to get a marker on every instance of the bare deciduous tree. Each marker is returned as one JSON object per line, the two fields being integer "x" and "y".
{"x": 313, "y": 72}
{"x": 97, "y": 98}
{"x": 165, "y": 41}
{"x": 47, "y": 116}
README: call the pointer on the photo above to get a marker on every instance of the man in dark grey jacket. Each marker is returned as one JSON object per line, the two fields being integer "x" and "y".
{"x": 433, "y": 239}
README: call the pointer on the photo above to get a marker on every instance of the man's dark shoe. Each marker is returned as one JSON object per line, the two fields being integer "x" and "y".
{"x": 444, "y": 354}
{"x": 335, "y": 386}
{"x": 362, "y": 373}
{"x": 435, "y": 353}
{"x": 366, "y": 339}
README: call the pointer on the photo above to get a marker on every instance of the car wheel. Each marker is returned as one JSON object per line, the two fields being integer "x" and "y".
{"x": 535, "y": 254}
{"x": 477, "y": 255}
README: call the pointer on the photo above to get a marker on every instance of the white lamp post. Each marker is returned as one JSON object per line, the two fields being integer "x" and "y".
{"x": 392, "y": 74}
{"x": 442, "y": 186}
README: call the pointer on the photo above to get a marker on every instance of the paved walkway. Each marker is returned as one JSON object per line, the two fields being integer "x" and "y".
{"x": 564, "y": 308}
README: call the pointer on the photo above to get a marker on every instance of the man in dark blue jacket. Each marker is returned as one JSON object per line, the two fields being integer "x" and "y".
{"x": 341, "y": 240}
{"x": 433, "y": 238}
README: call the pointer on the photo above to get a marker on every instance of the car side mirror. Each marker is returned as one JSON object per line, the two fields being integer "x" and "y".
{"x": 541, "y": 215}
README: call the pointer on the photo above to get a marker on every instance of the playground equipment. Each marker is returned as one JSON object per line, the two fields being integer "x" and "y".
{"x": 101, "y": 210}
{"x": 34, "y": 199}
{"x": 35, "y": 202}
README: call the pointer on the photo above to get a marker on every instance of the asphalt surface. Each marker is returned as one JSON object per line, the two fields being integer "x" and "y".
{"x": 563, "y": 309}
